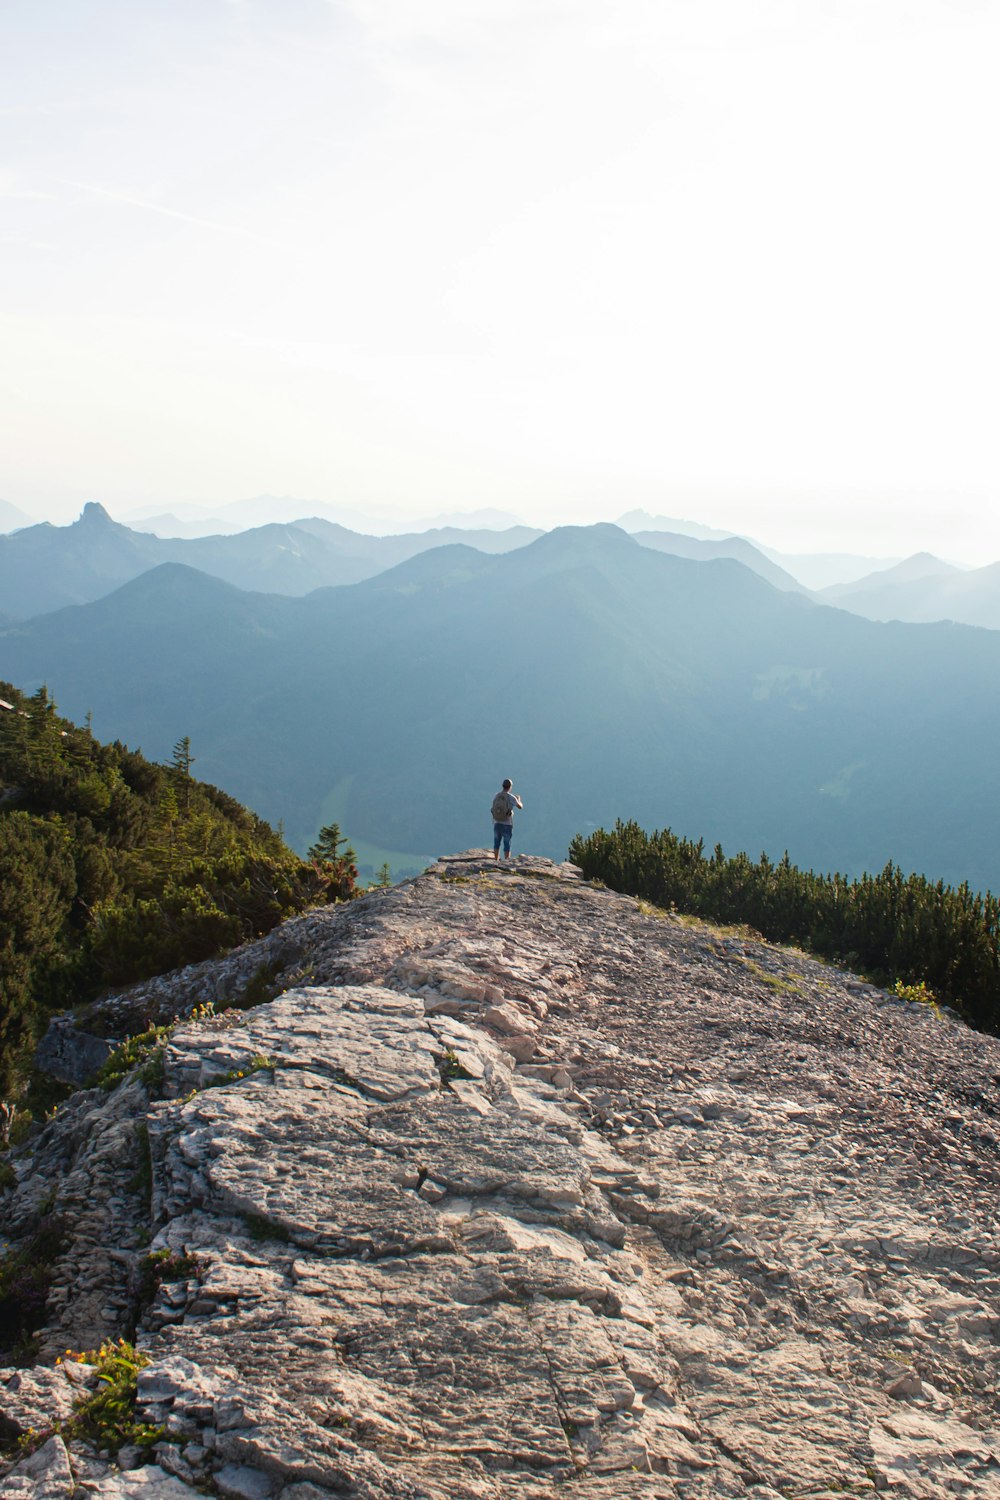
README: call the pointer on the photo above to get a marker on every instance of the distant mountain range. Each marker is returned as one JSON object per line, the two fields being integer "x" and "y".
{"x": 608, "y": 679}
{"x": 925, "y": 588}
{"x": 810, "y": 570}
{"x": 822, "y": 570}
{"x": 47, "y": 567}
{"x": 265, "y": 510}
{"x": 642, "y": 521}
{"x": 735, "y": 547}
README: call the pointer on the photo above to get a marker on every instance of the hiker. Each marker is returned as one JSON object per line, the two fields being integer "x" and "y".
{"x": 502, "y": 810}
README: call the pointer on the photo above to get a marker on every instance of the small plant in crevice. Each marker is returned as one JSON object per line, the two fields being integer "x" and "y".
{"x": 154, "y": 1070}
{"x": 347, "y": 1080}
{"x": 257, "y": 1064}
{"x": 917, "y": 994}
{"x": 144, "y": 1050}
{"x": 450, "y": 1066}
{"x": 261, "y": 1229}
{"x": 105, "y": 1416}
{"x": 160, "y": 1266}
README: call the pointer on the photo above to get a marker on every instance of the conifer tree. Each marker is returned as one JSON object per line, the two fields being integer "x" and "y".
{"x": 180, "y": 763}
{"x": 336, "y": 866}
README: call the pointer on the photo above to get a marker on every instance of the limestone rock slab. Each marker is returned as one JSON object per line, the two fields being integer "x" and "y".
{"x": 730, "y": 1235}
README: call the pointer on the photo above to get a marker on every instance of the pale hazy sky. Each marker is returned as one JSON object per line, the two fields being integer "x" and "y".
{"x": 730, "y": 259}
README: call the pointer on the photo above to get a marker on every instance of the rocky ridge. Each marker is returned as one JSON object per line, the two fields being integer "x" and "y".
{"x": 521, "y": 1188}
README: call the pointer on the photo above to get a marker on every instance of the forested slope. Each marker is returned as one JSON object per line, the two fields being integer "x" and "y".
{"x": 113, "y": 868}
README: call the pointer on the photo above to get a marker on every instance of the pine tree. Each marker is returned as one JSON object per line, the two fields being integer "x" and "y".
{"x": 337, "y": 866}
{"x": 180, "y": 764}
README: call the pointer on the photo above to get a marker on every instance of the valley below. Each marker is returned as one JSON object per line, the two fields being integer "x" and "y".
{"x": 609, "y": 680}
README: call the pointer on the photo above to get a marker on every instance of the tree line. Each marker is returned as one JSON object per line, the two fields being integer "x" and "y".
{"x": 114, "y": 868}
{"x": 890, "y": 926}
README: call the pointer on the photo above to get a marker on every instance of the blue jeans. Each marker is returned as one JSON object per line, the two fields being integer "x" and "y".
{"x": 502, "y": 831}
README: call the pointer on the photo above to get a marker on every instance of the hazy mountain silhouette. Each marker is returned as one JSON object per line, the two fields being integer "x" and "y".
{"x": 911, "y": 570}
{"x": 46, "y": 567}
{"x": 266, "y": 510}
{"x": 812, "y": 571}
{"x": 736, "y": 547}
{"x": 923, "y": 588}
{"x": 641, "y": 520}
{"x": 609, "y": 680}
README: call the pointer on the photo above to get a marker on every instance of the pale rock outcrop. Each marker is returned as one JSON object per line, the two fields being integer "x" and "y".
{"x": 725, "y": 1229}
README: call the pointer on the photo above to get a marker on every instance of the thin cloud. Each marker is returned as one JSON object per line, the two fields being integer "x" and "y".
{"x": 173, "y": 213}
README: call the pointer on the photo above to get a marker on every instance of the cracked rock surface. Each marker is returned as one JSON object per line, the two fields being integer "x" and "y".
{"x": 523, "y": 1189}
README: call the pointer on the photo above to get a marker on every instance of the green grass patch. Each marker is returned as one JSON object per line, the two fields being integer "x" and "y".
{"x": 781, "y": 984}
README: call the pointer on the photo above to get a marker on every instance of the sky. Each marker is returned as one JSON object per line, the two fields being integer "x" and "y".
{"x": 733, "y": 260}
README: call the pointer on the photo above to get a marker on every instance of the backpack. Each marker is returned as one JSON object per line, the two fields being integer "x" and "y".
{"x": 500, "y": 808}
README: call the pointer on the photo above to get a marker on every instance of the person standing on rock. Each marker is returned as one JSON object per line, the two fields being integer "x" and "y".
{"x": 502, "y": 809}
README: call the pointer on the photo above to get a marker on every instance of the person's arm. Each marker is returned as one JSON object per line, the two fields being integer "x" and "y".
{"x": 518, "y": 800}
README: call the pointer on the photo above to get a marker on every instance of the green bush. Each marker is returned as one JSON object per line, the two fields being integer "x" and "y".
{"x": 890, "y": 926}
{"x": 145, "y": 1048}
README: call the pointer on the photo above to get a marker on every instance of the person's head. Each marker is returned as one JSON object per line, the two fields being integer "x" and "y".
{"x": 507, "y": 784}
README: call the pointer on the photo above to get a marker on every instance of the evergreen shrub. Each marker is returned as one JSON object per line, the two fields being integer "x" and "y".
{"x": 113, "y": 869}
{"x": 891, "y": 926}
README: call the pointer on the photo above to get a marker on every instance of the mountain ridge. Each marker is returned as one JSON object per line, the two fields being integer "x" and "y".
{"x": 633, "y": 684}
{"x": 528, "y": 1189}
{"x": 917, "y": 592}
{"x": 44, "y": 567}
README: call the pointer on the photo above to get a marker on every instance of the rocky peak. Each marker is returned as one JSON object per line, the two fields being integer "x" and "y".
{"x": 522, "y": 1188}
{"x": 94, "y": 515}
